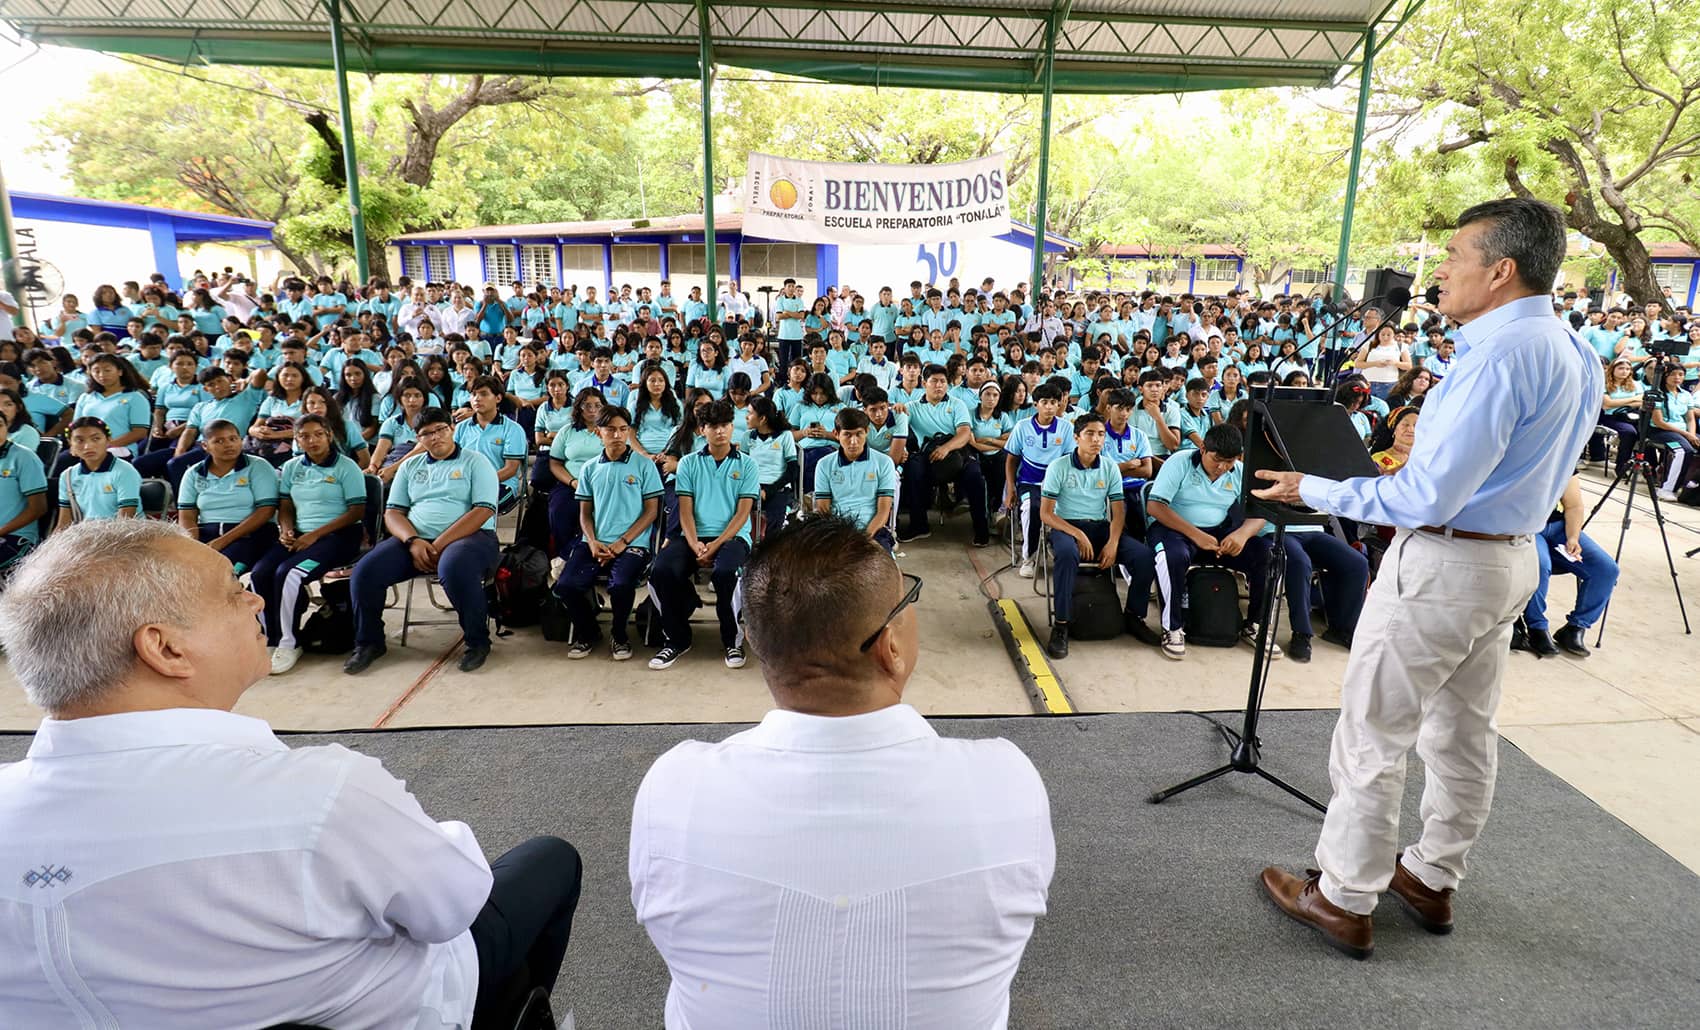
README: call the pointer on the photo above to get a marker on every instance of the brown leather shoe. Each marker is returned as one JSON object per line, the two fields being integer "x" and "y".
{"x": 1431, "y": 909}
{"x": 1303, "y": 901}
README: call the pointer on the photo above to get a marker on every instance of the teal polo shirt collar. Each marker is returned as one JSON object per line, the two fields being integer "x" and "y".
{"x": 105, "y": 466}
{"x": 432, "y": 459}
{"x": 842, "y": 460}
{"x": 623, "y": 459}
{"x": 5, "y": 449}
{"x": 204, "y": 466}
{"x": 733, "y": 453}
{"x": 1074, "y": 458}
{"x": 329, "y": 462}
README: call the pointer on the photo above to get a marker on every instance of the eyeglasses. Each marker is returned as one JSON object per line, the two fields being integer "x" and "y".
{"x": 910, "y": 596}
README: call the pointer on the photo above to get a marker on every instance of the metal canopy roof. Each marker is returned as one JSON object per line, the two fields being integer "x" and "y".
{"x": 1102, "y": 46}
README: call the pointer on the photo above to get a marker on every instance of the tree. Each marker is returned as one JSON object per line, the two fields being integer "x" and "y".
{"x": 1597, "y": 109}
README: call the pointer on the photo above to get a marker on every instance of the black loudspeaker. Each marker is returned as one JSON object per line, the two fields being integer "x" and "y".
{"x": 1379, "y": 282}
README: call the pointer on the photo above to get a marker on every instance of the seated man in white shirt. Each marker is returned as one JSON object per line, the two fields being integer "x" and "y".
{"x": 841, "y": 863}
{"x": 171, "y": 864}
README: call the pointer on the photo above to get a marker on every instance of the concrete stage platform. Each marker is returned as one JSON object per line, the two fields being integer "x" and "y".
{"x": 1623, "y": 726}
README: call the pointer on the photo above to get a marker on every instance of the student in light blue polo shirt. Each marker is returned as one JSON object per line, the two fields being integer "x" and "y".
{"x": 1082, "y": 504}
{"x": 23, "y": 499}
{"x": 1125, "y": 445}
{"x": 239, "y": 407}
{"x": 789, "y": 311}
{"x": 1034, "y": 444}
{"x": 229, "y": 500}
{"x": 16, "y": 417}
{"x": 327, "y": 304}
{"x": 774, "y": 449}
{"x": 717, "y": 488}
{"x": 1159, "y": 419}
{"x": 1196, "y": 419}
{"x": 494, "y": 435}
{"x": 856, "y": 482}
{"x": 619, "y": 500}
{"x": 941, "y": 427}
{"x": 812, "y": 422}
{"x": 1195, "y": 511}
{"x": 118, "y": 397}
{"x": 98, "y": 485}
{"x": 441, "y": 516}
{"x": 294, "y": 304}
{"x": 321, "y": 505}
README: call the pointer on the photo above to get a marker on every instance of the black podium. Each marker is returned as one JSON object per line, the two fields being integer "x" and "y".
{"x": 1289, "y": 429}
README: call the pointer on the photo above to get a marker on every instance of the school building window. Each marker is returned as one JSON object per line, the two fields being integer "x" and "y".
{"x": 687, "y": 259}
{"x": 778, "y": 261}
{"x": 1676, "y": 277}
{"x": 437, "y": 264}
{"x": 413, "y": 263}
{"x": 1218, "y": 269}
{"x": 1309, "y": 275}
{"x": 637, "y": 259}
{"x": 539, "y": 261}
{"x": 499, "y": 265}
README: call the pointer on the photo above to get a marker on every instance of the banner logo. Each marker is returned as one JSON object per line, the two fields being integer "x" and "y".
{"x": 783, "y": 194}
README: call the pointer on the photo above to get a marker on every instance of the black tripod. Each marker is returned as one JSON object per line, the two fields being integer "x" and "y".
{"x": 1245, "y": 756}
{"x": 1641, "y": 466}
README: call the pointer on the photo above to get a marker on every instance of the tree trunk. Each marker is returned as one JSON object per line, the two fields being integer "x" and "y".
{"x": 304, "y": 264}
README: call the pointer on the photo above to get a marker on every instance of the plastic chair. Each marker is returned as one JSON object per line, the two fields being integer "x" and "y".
{"x": 48, "y": 451}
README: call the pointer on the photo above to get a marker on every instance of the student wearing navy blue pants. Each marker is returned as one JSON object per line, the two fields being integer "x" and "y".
{"x": 1175, "y": 554}
{"x": 577, "y": 579}
{"x": 441, "y": 516}
{"x": 1134, "y": 558}
{"x": 461, "y": 570}
{"x": 281, "y": 576}
{"x": 1345, "y": 577}
{"x": 245, "y": 552}
{"x": 671, "y": 581}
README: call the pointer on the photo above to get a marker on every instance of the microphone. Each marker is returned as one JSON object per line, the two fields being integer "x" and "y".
{"x": 1431, "y": 296}
{"x": 1399, "y": 297}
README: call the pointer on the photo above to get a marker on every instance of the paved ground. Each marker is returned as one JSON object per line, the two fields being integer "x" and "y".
{"x": 1623, "y": 726}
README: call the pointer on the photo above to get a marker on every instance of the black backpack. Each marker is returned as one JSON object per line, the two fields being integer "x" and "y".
{"x": 521, "y": 583}
{"x": 1097, "y": 612}
{"x": 1212, "y": 606}
{"x": 330, "y": 629}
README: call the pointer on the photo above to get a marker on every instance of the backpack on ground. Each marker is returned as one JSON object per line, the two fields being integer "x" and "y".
{"x": 1212, "y": 606}
{"x": 1097, "y": 613}
{"x": 521, "y": 584}
{"x": 330, "y": 629}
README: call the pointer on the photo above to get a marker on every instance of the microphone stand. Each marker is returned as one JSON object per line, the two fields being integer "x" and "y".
{"x": 1245, "y": 755}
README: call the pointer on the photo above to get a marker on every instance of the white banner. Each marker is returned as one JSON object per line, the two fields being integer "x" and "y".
{"x": 829, "y": 202}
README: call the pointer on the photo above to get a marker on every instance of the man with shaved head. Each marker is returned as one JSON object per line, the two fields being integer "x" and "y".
{"x": 841, "y": 862}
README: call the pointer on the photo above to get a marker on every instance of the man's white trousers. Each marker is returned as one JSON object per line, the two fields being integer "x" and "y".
{"x": 1427, "y": 659}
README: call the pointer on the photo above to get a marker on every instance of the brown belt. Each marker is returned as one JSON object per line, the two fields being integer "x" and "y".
{"x": 1464, "y": 534}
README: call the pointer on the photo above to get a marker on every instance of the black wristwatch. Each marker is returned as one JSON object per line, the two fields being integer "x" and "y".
{"x": 409, "y": 541}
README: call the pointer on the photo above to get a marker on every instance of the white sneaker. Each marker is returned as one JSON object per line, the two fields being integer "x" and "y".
{"x": 1174, "y": 644}
{"x": 1667, "y": 495}
{"x": 1026, "y": 570}
{"x": 1249, "y": 635}
{"x": 284, "y": 659}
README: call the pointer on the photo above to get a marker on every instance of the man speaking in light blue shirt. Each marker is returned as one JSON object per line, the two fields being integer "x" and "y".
{"x": 1497, "y": 443}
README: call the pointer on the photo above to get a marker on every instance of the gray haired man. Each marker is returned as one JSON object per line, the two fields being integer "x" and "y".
{"x": 168, "y": 863}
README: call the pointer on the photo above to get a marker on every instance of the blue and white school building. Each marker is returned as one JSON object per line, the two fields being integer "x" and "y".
{"x": 643, "y": 252}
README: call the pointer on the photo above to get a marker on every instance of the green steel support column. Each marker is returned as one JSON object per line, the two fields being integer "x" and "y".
{"x": 1340, "y": 261}
{"x": 1044, "y": 158}
{"x": 350, "y": 162}
{"x": 711, "y": 294}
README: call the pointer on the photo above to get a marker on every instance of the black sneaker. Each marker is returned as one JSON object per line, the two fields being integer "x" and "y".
{"x": 665, "y": 657}
{"x": 362, "y": 658}
{"x": 1334, "y": 636}
{"x": 582, "y": 648}
{"x": 734, "y": 658}
{"x": 1140, "y": 631}
{"x": 1058, "y": 646}
{"x": 1298, "y": 648}
{"x": 473, "y": 659}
